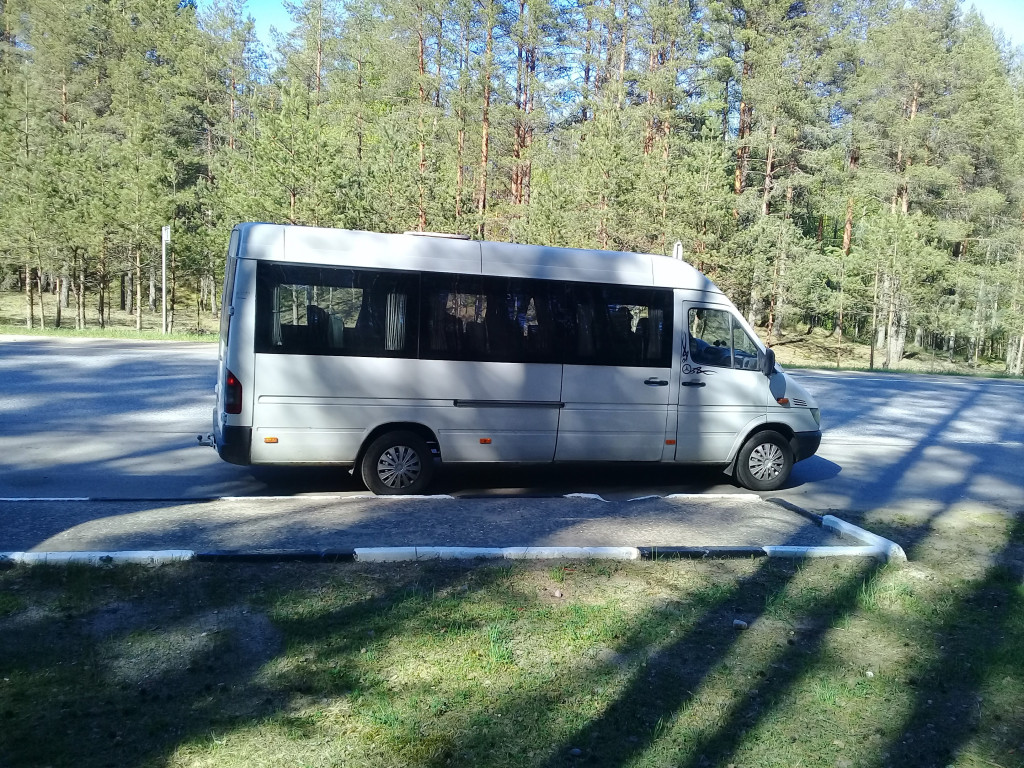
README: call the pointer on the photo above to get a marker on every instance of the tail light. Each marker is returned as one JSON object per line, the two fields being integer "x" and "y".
{"x": 232, "y": 394}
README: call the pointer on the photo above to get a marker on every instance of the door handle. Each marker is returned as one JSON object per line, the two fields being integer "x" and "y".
{"x": 654, "y": 381}
{"x": 693, "y": 383}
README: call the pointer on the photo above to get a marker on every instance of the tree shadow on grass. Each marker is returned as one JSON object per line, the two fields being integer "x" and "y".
{"x": 122, "y": 666}
{"x": 971, "y": 680}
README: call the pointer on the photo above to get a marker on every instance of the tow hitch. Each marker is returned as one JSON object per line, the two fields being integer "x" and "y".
{"x": 206, "y": 440}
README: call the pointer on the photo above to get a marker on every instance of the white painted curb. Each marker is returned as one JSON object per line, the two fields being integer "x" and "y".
{"x": 144, "y": 557}
{"x": 588, "y": 553}
{"x": 884, "y": 549}
{"x": 788, "y": 551}
{"x": 413, "y": 554}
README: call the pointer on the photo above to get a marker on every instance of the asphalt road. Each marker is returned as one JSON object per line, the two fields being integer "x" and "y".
{"x": 118, "y": 420}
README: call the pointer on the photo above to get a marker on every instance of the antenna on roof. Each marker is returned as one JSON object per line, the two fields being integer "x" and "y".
{"x": 677, "y": 250}
{"x": 446, "y": 235}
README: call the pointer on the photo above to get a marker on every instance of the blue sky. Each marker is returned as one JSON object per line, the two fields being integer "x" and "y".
{"x": 1006, "y": 14}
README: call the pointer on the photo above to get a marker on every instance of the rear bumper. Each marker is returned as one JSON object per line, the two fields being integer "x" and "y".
{"x": 805, "y": 444}
{"x": 234, "y": 444}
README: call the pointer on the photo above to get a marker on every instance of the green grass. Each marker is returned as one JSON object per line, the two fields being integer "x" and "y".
{"x": 598, "y": 664}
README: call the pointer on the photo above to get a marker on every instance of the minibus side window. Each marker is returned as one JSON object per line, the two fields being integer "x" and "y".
{"x": 335, "y": 311}
{"x": 622, "y": 326}
{"x": 495, "y": 319}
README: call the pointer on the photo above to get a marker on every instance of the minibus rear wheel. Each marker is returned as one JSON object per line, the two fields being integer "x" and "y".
{"x": 764, "y": 462}
{"x": 397, "y": 463}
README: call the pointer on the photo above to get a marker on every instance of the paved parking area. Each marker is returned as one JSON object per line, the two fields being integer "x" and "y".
{"x": 315, "y": 523}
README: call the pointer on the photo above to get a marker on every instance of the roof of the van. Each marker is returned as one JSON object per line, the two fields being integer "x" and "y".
{"x": 354, "y": 248}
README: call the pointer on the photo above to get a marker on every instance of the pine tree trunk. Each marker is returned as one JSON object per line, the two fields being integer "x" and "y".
{"x": 892, "y": 313}
{"x": 746, "y": 122}
{"x": 61, "y": 280}
{"x": 847, "y": 245}
{"x": 519, "y": 127}
{"x": 80, "y": 294}
{"x": 485, "y": 132}
{"x": 422, "y": 69}
{"x": 214, "y": 295}
{"x": 39, "y": 285}
{"x": 30, "y": 301}
{"x": 461, "y": 136}
{"x": 769, "y": 173}
{"x": 138, "y": 288}
{"x": 171, "y": 294}
{"x": 874, "y": 324}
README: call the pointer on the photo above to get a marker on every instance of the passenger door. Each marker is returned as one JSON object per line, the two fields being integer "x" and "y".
{"x": 722, "y": 391}
{"x": 615, "y": 382}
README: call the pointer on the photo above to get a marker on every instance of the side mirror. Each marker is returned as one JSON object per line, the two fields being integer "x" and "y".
{"x": 766, "y": 360}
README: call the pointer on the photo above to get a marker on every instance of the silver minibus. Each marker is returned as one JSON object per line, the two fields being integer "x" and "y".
{"x": 395, "y": 354}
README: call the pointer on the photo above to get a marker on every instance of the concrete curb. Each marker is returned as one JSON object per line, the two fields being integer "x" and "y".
{"x": 884, "y": 552}
{"x": 406, "y": 554}
{"x": 882, "y": 548}
{"x": 144, "y": 557}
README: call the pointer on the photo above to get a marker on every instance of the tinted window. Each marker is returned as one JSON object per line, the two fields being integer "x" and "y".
{"x": 310, "y": 310}
{"x": 622, "y": 325}
{"x": 487, "y": 318}
{"x": 338, "y": 311}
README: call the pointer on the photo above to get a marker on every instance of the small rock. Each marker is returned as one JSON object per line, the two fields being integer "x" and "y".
{"x": 558, "y": 593}
{"x": 738, "y": 624}
{"x": 869, "y": 673}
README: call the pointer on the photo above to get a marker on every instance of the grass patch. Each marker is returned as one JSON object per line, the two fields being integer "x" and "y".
{"x": 610, "y": 664}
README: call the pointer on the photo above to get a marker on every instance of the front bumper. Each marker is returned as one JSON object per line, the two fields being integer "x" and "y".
{"x": 805, "y": 444}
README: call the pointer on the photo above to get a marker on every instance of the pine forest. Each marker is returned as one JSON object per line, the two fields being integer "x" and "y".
{"x": 847, "y": 165}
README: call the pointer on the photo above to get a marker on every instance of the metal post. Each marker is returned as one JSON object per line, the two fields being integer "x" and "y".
{"x": 165, "y": 238}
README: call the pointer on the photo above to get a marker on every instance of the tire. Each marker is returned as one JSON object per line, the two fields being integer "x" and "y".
{"x": 397, "y": 463}
{"x": 764, "y": 462}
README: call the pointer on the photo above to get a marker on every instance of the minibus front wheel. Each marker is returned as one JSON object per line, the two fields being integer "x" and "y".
{"x": 764, "y": 462}
{"x": 397, "y": 463}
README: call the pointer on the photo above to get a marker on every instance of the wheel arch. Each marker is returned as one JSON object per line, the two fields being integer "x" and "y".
{"x": 769, "y": 426}
{"x": 400, "y": 426}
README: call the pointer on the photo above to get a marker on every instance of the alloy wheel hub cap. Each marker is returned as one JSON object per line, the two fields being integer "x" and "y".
{"x": 398, "y": 467}
{"x": 766, "y": 461}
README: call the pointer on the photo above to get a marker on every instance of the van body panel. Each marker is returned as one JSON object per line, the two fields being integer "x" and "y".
{"x": 343, "y": 399}
{"x": 548, "y": 263}
{"x": 612, "y": 414}
{"x": 352, "y": 248}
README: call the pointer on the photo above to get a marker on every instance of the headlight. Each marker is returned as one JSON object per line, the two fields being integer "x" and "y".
{"x": 816, "y": 415}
